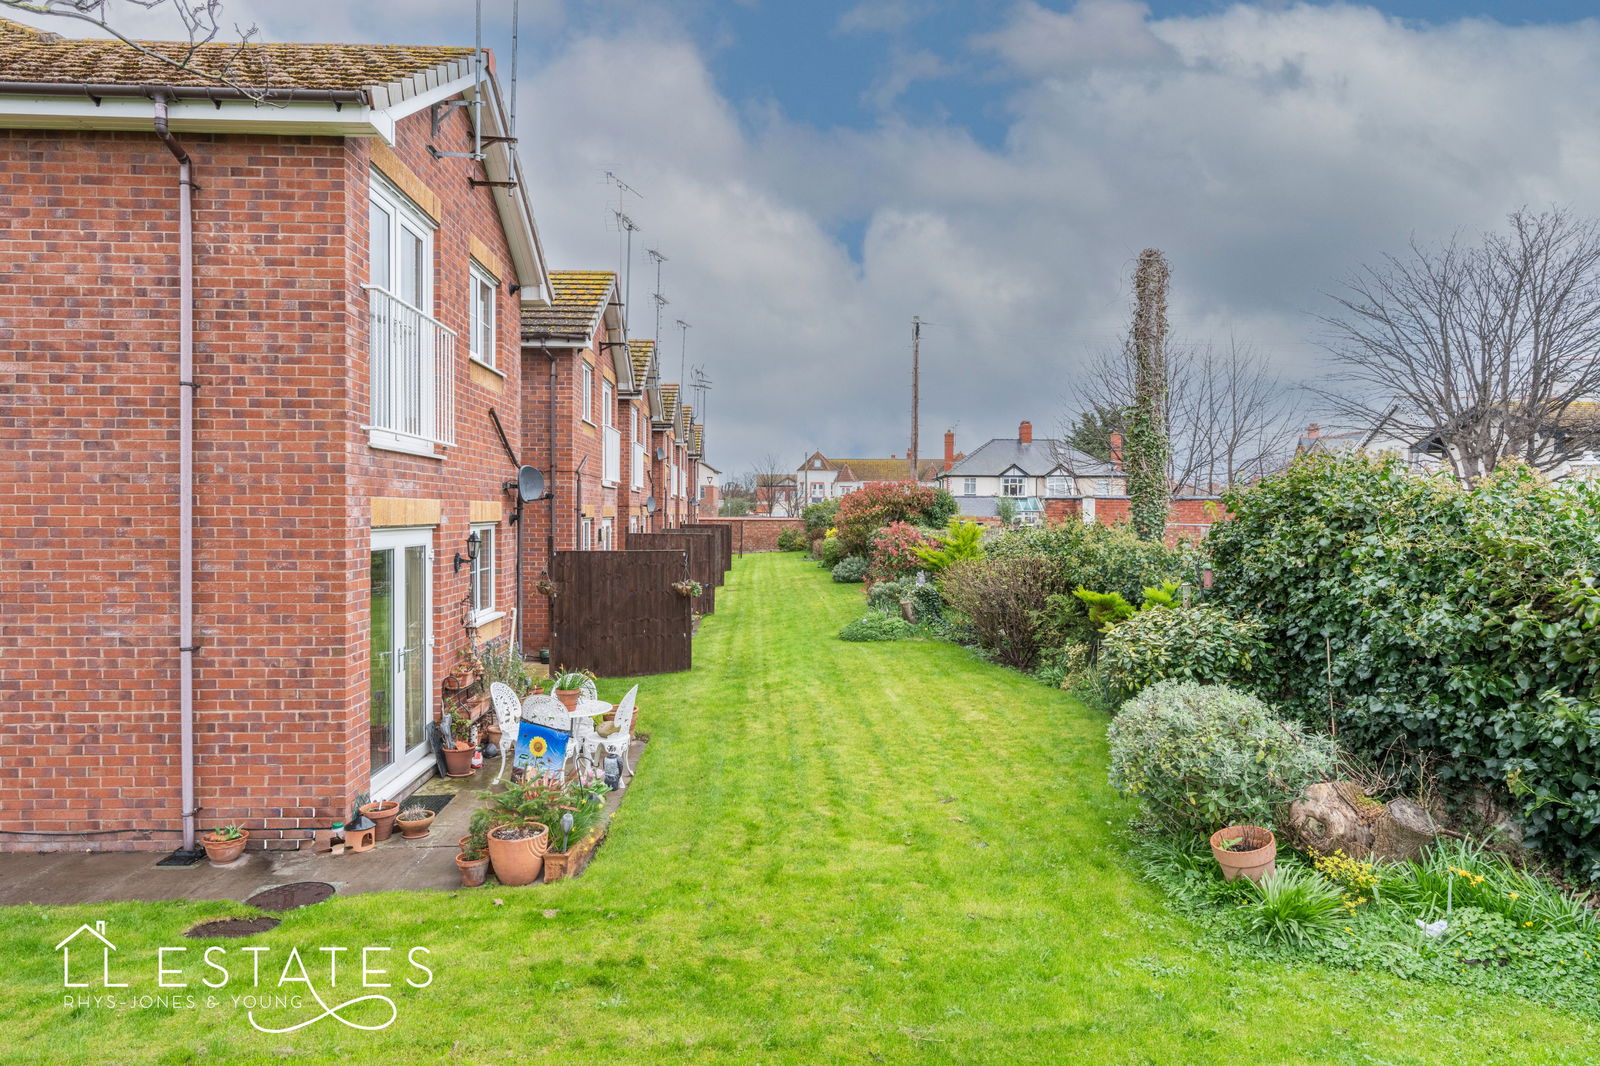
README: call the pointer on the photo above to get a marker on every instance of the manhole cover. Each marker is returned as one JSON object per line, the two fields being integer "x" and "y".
{"x": 288, "y": 897}
{"x": 230, "y": 927}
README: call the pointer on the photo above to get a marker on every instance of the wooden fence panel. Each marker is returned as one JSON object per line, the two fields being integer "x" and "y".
{"x": 713, "y": 546}
{"x": 615, "y": 612}
{"x": 702, "y": 567}
{"x": 724, "y": 534}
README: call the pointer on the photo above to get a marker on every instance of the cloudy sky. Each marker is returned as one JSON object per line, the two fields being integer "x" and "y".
{"x": 817, "y": 173}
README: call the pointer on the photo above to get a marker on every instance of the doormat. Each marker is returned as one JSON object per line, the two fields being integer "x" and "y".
{"x": 433, "y": 803}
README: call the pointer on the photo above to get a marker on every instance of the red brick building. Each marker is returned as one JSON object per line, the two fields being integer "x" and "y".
{"x": 238, "y": 522}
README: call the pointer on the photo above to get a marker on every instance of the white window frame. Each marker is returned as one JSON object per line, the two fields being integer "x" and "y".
{"x": 588, "y": 392}
{"x": 607, "y": 399}
{"x": 482, "y": 290}
{"x": 1008, "y": 482}
{"x": 969, "y": 486}
{"x": 586, "y": 534}
{"x": 1102, "y": 486}
{"x": 405, "y": 217}
{"x": 1056, "y": 485}
{"x": 484, "y": 575}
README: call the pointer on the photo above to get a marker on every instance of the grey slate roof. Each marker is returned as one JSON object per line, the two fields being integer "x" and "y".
{"x": 1037, "y": 458}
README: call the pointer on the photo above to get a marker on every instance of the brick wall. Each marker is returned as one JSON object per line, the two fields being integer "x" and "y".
{"x": 756, "y": 534}
{"x": 1188, "y": 520}
{"x": 284, "y": 476}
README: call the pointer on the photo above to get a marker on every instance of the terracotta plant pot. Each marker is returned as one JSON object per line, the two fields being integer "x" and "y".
{"x": 555, "y": 866}
{"x": 569, "y": 697}
{"x": 383, "y": 814}
{"x": 416, "y": 830}
{"x": 222, "y": 852}
{"x": 458, "y": 760}
{"x": 473, "y": 871}
{"x": 518, "y": 861}
{"x": 1254, "y": 855}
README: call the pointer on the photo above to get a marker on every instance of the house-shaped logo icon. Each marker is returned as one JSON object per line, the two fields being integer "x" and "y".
{"x": 98, "y": 931}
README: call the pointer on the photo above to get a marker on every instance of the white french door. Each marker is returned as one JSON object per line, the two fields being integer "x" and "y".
{"x": 402, "y": 652}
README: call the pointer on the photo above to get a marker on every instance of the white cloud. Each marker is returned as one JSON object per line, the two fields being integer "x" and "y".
{"x": 1268, "y": 152}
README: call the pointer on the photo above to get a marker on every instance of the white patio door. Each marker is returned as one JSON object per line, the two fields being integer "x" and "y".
{"x": 402, "y": 643}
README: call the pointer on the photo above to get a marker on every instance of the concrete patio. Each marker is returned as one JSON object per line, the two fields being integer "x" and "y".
{"x": 397, "y": 865}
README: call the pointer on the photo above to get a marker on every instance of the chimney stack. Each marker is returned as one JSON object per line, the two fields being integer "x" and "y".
{"x": 1313, "y": 430}
{"x": 949, "y": 448}
{"x": 1116, "y": 450}
{"x": 1025, "y": 433}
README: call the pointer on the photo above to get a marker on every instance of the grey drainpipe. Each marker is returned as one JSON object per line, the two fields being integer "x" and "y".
{"x": 186, "y": 390}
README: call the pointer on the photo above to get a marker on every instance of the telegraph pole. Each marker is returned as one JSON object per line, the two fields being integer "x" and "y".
{"x": 916, "y": 380}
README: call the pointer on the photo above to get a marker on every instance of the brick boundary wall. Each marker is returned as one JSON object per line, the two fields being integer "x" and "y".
{"x": 756, "y": 533}
{"x": 1188, "y": 521}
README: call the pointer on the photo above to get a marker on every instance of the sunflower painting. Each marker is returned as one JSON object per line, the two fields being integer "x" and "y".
{"x": 540, "y": 748}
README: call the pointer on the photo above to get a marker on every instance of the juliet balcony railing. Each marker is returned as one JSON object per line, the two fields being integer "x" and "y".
{"x": 413, "y": 372}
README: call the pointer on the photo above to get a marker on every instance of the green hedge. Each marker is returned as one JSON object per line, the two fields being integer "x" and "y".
{"x": 1456, "y": 624}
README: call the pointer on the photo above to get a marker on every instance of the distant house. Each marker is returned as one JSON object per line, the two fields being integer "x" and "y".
{"x": 1571, "y": 450}
{"x": 777, "y": 495}
{"x": 1029, "y": 471}
{"x": 1051, "y": 483}
{"x": 820, "y": 478}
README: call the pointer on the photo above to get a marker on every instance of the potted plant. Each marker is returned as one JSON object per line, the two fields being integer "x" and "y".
{"x": 383, "y": 814}
{"x": 414, "y": 822}
{"x": 520, "y": 834}
{"x": 473, "y": 862}
{"x": 225, "y": 844}
{"x": 465, "y": 672}
{"x": 581, "y": 807}
{"x": 568, "y": 686}
{"x": 688, "y": 589}
{"x": 1247, "y": 850}
{"x": 458, "y": 756}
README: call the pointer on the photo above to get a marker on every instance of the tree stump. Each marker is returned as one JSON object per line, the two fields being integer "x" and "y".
{"x": 1338, "y": 816}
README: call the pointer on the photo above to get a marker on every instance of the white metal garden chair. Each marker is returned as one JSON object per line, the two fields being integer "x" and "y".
{"x": 542, "y": 708}
{"x": 508, "y": 712}
{"x": 615, "y": 738}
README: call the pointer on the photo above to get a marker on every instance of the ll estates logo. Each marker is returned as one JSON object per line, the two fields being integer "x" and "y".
{"x": 282, "y": 984}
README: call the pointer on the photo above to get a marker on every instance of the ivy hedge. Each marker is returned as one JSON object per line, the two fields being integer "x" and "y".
{"x": 1456, "y": 624}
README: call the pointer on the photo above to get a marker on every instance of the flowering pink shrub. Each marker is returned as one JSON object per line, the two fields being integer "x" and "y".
{"x": 891, "y": 555}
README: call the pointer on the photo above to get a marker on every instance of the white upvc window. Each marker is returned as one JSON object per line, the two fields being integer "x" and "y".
{"x": 1058, "y": 486}
{"x": 586, "y": 395}
{"x": 483, "y": 575}
{"x": 1011, "y": 486}
{"x": 637, "y": 472}
{"x": 585, "y": 534}
{"x": 412, "y": 354}
{"x": 969, "y": 486}
{"x": 482, "y": 288}
{"x": 1102, "y": 486}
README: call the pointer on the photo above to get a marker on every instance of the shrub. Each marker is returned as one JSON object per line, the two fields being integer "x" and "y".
{"x": 894, "y": 551}
{"x": 819, "y": 517}
{"x": 1199, "y": 757}
{"x": 1204, "y": 643}
{"x": 831, "y": 552}
{"x": 998, "y": 600}
{"x": 885, "y": 596}
{"x": 792, "y": 540}
{"x": 851, "y": 570}
{"x": 874, "y": 506}
{"x": 1460, "y": 624}
{"x": 1294, "y": 906}
{"x": 877, "y": 626}
{"x": 959, "y": 542}
{"x": 1106, "y": 559}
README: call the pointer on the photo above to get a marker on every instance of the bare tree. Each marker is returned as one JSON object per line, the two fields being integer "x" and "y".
{"x": 1230, "y": 419}
{"x": 200, "y": 54}
{"x": 774, "y": 486}
{"x": 1488, "y": 349}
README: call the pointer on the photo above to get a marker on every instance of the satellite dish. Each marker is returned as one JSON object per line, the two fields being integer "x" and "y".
{"x": 661, "y": 453}
{"x": 650, "y": 505}
{"x": 530, "y": 484}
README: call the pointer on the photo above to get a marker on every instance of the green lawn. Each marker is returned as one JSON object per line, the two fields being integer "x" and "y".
{"x": 834, "y": 853}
